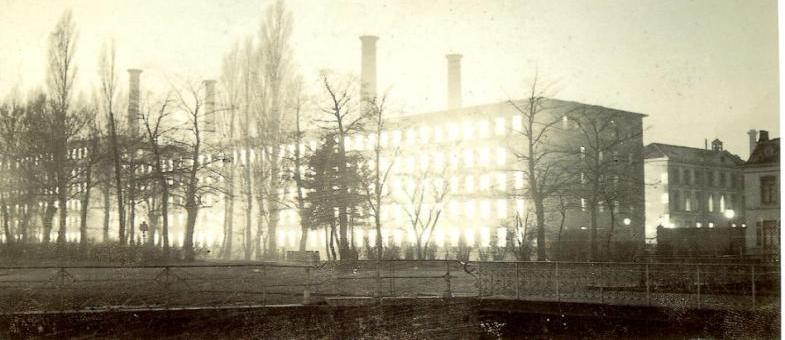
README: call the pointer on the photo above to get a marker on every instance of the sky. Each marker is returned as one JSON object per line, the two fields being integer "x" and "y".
{"x": 699, "y": 69}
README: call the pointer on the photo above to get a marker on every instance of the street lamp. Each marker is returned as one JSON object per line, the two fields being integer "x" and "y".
{"x": 627, "y": 221}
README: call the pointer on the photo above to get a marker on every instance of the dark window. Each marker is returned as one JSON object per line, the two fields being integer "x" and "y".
{"x": 676, "y": 201}
{"x": 723, "y": 179}
{"x": 676, "y": 176}
{"x": 768, "y": 190}
{"x": 686, "y": 176}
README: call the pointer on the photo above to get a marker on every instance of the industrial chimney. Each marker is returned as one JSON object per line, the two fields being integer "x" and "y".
{"x": 454, "y": 100}
{"x": 753, "y": 139}
{"x": 209, "y": 123}
{"x": 133, "y": 101}
{"x": 368, "y": 71}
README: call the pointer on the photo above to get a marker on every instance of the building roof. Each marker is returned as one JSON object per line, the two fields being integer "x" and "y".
{"x": 687, "y": 154}
{"x": 495, "y": 107}
{"x": 765, "y": 153}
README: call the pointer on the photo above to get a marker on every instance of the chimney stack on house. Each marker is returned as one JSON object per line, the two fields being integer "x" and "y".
{"x": 753, "y": 139}
{"x": 133, "y": 101}
{"x": 368, "y": 67}
{"x": 454, "y": 100}
{"x": 763, "y": 136}
{"x": 210, "y": 116}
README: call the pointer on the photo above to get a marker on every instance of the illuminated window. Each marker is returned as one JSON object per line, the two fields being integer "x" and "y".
{"x": 468, "y": 158}
{"x": 396, "y": 138}
{"x": 485, "y": 208}
{"x": 453, "y": 131}
{"x": 698, "y": 225}
{"x": 722, "y": 203}
{"x": 454, "y": 208}
{"x": 484, "y": 156}
{"x": 424, "y": 159}
{"x": 711, "y": 203}
{"x": 583, "y": 204}
{"x": 454, "y": 159}
{"x": 455, "y": 183}
{"x": 518, "y": 180}
{"x": 711, "y": 225}
{"x": 500, "y": 128}
{"x": 383, "y": 139}
{"x": 411, "y": 137}
{"x": 468, "y": 130}
{"x": 469, "y": 208}
{"x": 485, "y": 237}
{"x": 501, "y": 237}
{"x": 501, "y": 181}
{"x": 438, "y": 161}
{"x": 565, "y": 122}
{"x": 501, "y": 156}
{"x": 425, "y": 134}
{"x": 501, "y": 208}
{"x": 519, "y": 206}
{"x": 583, "y": 152}
{"x": 517, "y": 122}
{"x": 484, "y": 128}
{"x": 469, "y": 183}
{"x": 485, "y": 182}
{"x": 438, "y": 134}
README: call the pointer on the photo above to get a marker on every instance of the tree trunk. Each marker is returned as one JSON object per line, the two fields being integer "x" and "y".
{"x": 226, "y": 247}
{"x": 84, "y": 208}
{"x": 248, "y": 207}
{"x": 192, "y": 210}
{"x": 48, "y": 219}
{"x": 107, "y": 209}
{"x": 9, "y": 237}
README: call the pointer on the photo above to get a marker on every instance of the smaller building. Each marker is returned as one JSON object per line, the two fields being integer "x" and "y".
{"x": 692, "y": 188}
{"x": 761, "y": 182}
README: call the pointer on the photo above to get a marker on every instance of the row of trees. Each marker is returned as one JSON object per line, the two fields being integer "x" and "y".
{"x": 56, "y": 151}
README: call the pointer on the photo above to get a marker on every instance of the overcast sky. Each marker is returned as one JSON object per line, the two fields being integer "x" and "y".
{"x": 699, "y": 69}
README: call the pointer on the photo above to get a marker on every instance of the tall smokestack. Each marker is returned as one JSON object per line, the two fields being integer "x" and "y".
{"x": 133, "y": 101}
{"x": 210, "y": 121}
{"x": 454, "y": 99}
{"x": 753, "y": 139}
{"x": 368, "y": 71}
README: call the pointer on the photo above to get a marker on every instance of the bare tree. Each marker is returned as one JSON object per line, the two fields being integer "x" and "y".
{"x": 608, "y": 148}
{"x": 61, "y": 73}
{"x": 540, "y": 169}
{"x": 423, "y": 203}
{"x": 231, "y": 79}
{"x": 108, "y": 76}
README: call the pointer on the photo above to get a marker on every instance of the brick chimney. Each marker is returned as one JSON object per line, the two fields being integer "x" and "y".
{"x": 210, "y": 117}
{"x": 133, "y": 101}
{"x": 753, "y": 139}
{"x": 454, "y": 100}
{"x": 763, "y": 136}
{"x": 368, "y": 67}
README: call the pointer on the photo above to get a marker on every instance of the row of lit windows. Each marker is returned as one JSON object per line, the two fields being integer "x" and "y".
{"x": 700, "y": 201}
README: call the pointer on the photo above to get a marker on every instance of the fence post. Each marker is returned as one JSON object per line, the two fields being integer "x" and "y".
{"x": 558, "y": 296}
{"x": 479, "y": 279}
{"x": 517, "y": 281}
{"x": 648, "y": 290}
{"x": 60, "y": 287}
{"x": 698, "y": 269}
{"x": 392, "y": 278}
{"x": 448, "y": 291}
{"x": 264, "y": 285}
{"x": 307, "y": 291}
{"x": 752, "y": 270}
{"x": 602, "y": 285}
